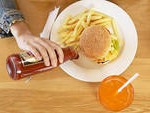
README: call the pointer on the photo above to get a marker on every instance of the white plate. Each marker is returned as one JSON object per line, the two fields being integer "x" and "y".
{"x": 85, "y": 70}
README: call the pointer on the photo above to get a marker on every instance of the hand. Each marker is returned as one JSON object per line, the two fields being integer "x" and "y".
{"x": 41, "y": 48}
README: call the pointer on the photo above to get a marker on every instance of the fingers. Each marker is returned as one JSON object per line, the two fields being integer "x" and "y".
{"x": 60, "y": 53}
{"x": 34, "y": 51}
{"x": 46, "y": 49}
{"x": 58, "y": 50}
{"x": 43, "y": 53}
{"x": 51, "y": 52}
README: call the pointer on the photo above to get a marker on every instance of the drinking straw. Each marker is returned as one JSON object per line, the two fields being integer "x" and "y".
{"x": 128, "y": 82}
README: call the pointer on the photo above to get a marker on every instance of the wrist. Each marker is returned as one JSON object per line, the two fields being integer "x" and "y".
{"x": 20, "y": 29}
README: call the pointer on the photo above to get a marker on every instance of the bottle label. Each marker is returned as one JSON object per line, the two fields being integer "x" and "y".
{"x": 28, "y": 59}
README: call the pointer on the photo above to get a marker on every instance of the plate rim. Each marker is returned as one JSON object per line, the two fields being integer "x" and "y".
{"x": 135, "y": 33}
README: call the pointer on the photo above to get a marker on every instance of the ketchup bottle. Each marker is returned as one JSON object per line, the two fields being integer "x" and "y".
{"x": 25, "y": 64}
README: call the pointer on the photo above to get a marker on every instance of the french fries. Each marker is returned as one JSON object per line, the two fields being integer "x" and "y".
{"x": 73, "y": 26}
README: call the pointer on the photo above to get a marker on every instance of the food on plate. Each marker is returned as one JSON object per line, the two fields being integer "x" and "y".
{"x": 95, "y": 42}
{"x": 70, "y": 33}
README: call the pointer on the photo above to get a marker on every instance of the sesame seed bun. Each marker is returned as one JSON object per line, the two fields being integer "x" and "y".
{"x": 95, "y": 42}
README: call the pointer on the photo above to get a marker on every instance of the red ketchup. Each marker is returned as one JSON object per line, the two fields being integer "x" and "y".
{"x": 25, "y": 64}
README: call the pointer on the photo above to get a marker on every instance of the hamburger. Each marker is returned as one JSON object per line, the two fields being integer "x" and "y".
{"x": 97, "y": 43}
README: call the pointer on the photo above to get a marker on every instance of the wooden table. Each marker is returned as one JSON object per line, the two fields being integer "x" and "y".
{"x": 55, "y": 91}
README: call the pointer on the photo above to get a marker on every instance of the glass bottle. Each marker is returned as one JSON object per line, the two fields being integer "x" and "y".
{"x": 25, "y": 64}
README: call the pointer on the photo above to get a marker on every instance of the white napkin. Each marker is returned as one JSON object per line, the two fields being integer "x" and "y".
{"x": 49, "y": 23}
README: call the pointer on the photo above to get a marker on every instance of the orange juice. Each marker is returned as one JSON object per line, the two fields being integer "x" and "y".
{"x": 109, "y": 96}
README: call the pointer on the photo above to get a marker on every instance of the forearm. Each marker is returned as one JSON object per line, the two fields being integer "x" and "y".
{"x": 20, "y": 29}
